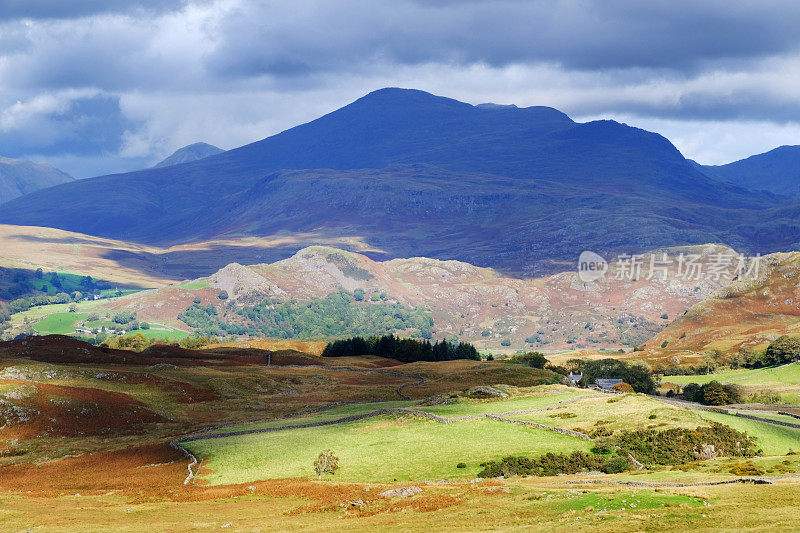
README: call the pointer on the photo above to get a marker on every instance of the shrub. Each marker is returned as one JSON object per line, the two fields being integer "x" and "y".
{"x": 622, "y": 387}
{"x": 532, "y": 359}
{"x": 680, "y": 445}
{"x": 196, "y": 300}
{"x": 549, "y": 464}
{"x": 123, "y": 317}
{"x": 461, "y": 465}
{"x": 652, "y": 417}
{"x": 747, "y": 468}
{"x": 615, "y": 465}
{"x": 223, "y": 295}
{"x": 326, "y": 463}
{"x": 505, "y": 342}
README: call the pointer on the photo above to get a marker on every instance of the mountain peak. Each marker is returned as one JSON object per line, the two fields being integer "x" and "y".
{"x": 19, "y": 177}
{"x": 190, "y": 153}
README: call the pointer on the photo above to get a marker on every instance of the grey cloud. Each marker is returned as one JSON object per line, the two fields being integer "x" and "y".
{"x": 82, "y": 126}
{"x": 262, "y": 38}
{"x": 66, "y": 9}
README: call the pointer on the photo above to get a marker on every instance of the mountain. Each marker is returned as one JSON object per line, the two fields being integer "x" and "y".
{"x": 777, "y": 171}
{"x": 190, "y": 153}
{"x": 409, "y": 173}
{"x": 476, "y": 304}
{"x": 19, "y": 177}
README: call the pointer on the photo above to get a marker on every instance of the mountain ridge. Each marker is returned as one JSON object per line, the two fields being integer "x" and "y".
{"x": 417, "y": 174}
{"x": 19, "y": 177}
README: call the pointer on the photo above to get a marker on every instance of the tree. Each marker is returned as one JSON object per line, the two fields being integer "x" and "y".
{"x": 715, "y": 394}
{"x": 532, "y": 359}
{"x": 326, "y": 463}
{"x": 784, "y": 349}
{"x": 223, "y": 295}
{"x": 39, "y": 274}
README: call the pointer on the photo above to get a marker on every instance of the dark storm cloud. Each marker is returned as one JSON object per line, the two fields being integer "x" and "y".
{"x": 265, "y": 38}
{"x": 66, "y": 9}
{"x": 161, "y": 74}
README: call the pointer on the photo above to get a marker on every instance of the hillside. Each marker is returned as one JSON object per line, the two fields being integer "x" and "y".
{"x": 776, "y": 171}
{"x": 18, "y": 178}
{"x": 474, "y": 303}
{"x": 190, "y": 153}
{"x": 409, "y": 173}
{"x": 745, "y": 314}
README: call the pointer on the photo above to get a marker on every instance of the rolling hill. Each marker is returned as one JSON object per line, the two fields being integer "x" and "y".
{"x": 745, "y": 314}
{"x": 777, "y": 171}
{"x": 19, "y": 177}
{"x": 473, "y": 303}
{"x": 190, "y": 153}
{"x": 413, "y": 174}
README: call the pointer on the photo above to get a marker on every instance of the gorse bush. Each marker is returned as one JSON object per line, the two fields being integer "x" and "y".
{"x": 679, "y": 446}
{"x": 406, "y": 350}
{"x": 551, "y": 464}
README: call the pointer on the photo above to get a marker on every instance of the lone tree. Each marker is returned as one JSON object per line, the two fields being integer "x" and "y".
{"x": 326, "y": 463}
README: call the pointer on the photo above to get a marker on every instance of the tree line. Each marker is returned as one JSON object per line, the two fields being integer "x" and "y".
{"x": 405, "y": 350}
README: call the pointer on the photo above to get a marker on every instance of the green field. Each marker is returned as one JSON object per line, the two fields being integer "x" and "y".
{"x": 194, "y": 285}
{"x": 774, "y": 440}
{"x": 466, "y": 407}
{"x": 378, "y": 449}
{"x": 789, "y": 374}
{"x": 60, "y": 323}
{"x": 328, "y": 414}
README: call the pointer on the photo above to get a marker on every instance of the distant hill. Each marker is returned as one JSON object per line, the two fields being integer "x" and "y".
{"x": 19, "y": 177}
{"x": 777, "y": 171}
{"x": 746, "y": 314}
{"x": 413, "y": 174}
{"x": 553, "y": 312}
{"x": 190, "y": 153}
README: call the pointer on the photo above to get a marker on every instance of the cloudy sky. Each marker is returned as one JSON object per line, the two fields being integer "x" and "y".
{"x": 99, "y": 86}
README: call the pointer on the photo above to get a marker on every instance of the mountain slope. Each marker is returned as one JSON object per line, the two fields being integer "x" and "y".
{"x": 416, "y": 174}
{"x": 478, "y": 304}
{"x": 745, "y": 314}
{"x": 19, "y": 177}
{"x": 190, "y": 153}
{"x": 777, "y": 171}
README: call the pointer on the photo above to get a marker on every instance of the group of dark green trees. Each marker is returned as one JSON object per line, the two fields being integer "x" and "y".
{"x": 712, "y": 393}
{"x": 405, "y": 350}
{"x": 634, "y": 374}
